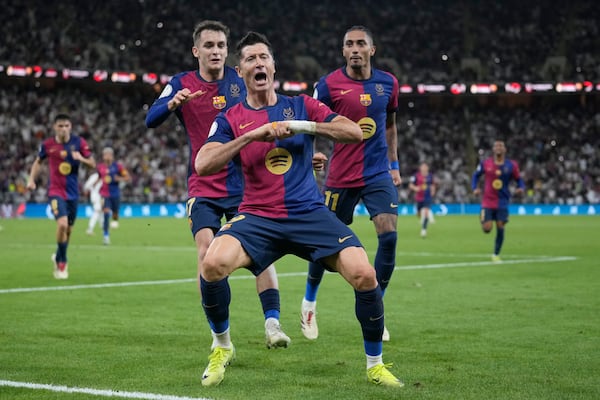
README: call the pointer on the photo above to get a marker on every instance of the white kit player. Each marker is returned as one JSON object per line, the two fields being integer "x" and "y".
{"x": 92, "y": 186}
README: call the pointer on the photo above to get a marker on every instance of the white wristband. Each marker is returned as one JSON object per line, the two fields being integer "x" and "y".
{"x": 309, "y": 127}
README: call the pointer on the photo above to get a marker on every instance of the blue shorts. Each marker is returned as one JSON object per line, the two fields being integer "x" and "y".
{"x": 494, "y": 214}
{"x": 204, "y": 212}
{"x": 380, "y": 197}
{"x": 423, "y": 204}
{"x": 311, "y": 236}
{"x": 61, "y": 208}
{"x": 111, "y": 203}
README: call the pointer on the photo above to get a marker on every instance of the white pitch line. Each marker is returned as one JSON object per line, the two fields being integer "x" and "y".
{"x": 281, "y": 275}
{"x": 97, "y": 392}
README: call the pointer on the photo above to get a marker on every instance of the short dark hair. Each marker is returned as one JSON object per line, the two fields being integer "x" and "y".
{"x": 209, "y": 25}
{"x": 362, "y": 29}
{"x": 61, "y": 117}
{"x": 252, "y": 38}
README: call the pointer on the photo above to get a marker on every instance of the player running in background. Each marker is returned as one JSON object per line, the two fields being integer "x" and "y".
{"x": 111, "y": 173}
{"x": 423, "y": 184}
{"x": 196, "y": 97}
{"x": 65, "y": 152}
{"x": 498, "y": 171}
{"x": 367, "y": 170}
{"x": 92, "y": 187}
{"x": 282, "y": 211}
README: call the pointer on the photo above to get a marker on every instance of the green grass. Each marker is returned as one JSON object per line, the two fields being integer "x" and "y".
{"x": 523, "y": 330}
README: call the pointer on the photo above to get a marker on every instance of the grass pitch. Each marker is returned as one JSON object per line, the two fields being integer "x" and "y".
{"x": 461, "y": 327}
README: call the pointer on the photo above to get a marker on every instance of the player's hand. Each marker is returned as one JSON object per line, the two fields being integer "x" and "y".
{"x": 271, "y": 131}
{"x": 396, "y": 178}
{"x": 477, "y": 192}
{"x": 518, "y": 191}
{"x": 318, "y": 161}
{"x": 76, "y": 155}
{"x": 183, "y": 96}
{"x": 31, "y": 185}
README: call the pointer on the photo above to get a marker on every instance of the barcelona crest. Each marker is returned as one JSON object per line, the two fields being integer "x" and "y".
{"x": 365, "y": 99}
{"x": 219, "y": 102}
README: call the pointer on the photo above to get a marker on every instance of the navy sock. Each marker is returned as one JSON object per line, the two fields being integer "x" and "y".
{"x": 385, "y": 259}
{"x": 270, "y": 303}
{"x": 216, "y": 297}
{"x": 61, "y": 252}
{"x": 499, "y": 240}
{"x": 106, "y": 223}
{"x": 369, "y": 312}
{"x": 313, "y": 280}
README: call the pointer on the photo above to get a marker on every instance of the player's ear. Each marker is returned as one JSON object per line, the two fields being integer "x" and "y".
{"x": 195, "y": 51}
{"x": 239, "y": 71}
{"x": 373, "y": 48}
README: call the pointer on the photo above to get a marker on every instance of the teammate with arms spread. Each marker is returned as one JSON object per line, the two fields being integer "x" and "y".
{"x": 423, "y": 184}
{"x": 111, "y": 173}
{"x": 282, "y": 211}
{"x": 367, "y": 170}
{"x": 498, "y": 171}
{"x": 196, "y": 97}
{"x": 65, "y": 152}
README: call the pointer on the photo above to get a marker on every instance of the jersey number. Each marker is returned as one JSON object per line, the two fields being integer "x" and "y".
{"x": 333, "y": 198}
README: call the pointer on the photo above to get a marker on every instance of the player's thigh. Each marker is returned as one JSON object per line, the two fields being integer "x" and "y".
{"x": 342, "y": 202}
{"x": 381, "y": 200}
{"x": 224, "y": 255}
{"x": 353, "y": 264}
{"x": 486, "y": 217}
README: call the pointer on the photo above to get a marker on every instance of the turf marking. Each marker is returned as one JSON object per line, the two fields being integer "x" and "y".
{"x": 285, "y": 275}
{"x": 96, "y": 392}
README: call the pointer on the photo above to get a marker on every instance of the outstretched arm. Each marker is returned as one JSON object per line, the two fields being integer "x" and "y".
{"x": 339, "y": 129}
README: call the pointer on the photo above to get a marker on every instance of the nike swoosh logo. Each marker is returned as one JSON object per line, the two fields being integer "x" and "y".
{"x": 244, "y": 126}
{"x": 393, "y": 205}
{"x": 343, "y": 239}
{"x": 343, "y": 92}
{"x": 376, "y": 319}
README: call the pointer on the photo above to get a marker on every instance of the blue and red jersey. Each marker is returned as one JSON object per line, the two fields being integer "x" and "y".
{"x": 107, "y": 174}
{"x": 196, "y": 117}
{"x": 496, "y": 193}
{"x": 63, "y": 169}
{"x": 366, "y": 102}
{"x": 279, "y": 179}
{"x": 424, "y": 183}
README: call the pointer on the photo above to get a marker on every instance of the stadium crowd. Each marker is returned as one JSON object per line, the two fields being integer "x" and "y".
{"x": 420, "y": 41}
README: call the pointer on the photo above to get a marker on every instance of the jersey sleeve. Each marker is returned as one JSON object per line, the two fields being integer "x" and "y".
{"x": 220, "y": 130}
{"x": 42, "y": 154}
{"x": 317, "y": 110}
{"x": 516, "y": 174}
{"x": 159, "y": 111}
{"x": 392, "y": 106}
{"x": 476, "y": 175}
{"x": 321, "y": 92}
{"x": 84, "y": 148}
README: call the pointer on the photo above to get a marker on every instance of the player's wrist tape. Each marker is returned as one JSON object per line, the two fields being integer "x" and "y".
{"x": 395, "y": 165}
{"x": 302, "y": 126}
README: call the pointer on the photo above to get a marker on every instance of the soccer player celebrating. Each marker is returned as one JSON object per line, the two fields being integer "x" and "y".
{"x": 367, "y": 170}
{"x": 111, "y": 173}
{"x": 65, "y": 152}
{"x": 282, "y": 211}
{"x": 498, "y": 171}
{"x": 196, "y": 97}
{"x": 423, "y": 184}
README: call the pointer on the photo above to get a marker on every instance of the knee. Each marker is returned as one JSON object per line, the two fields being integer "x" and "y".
{"x": 363, "y": 278}
{"x": 212, "y": 269}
